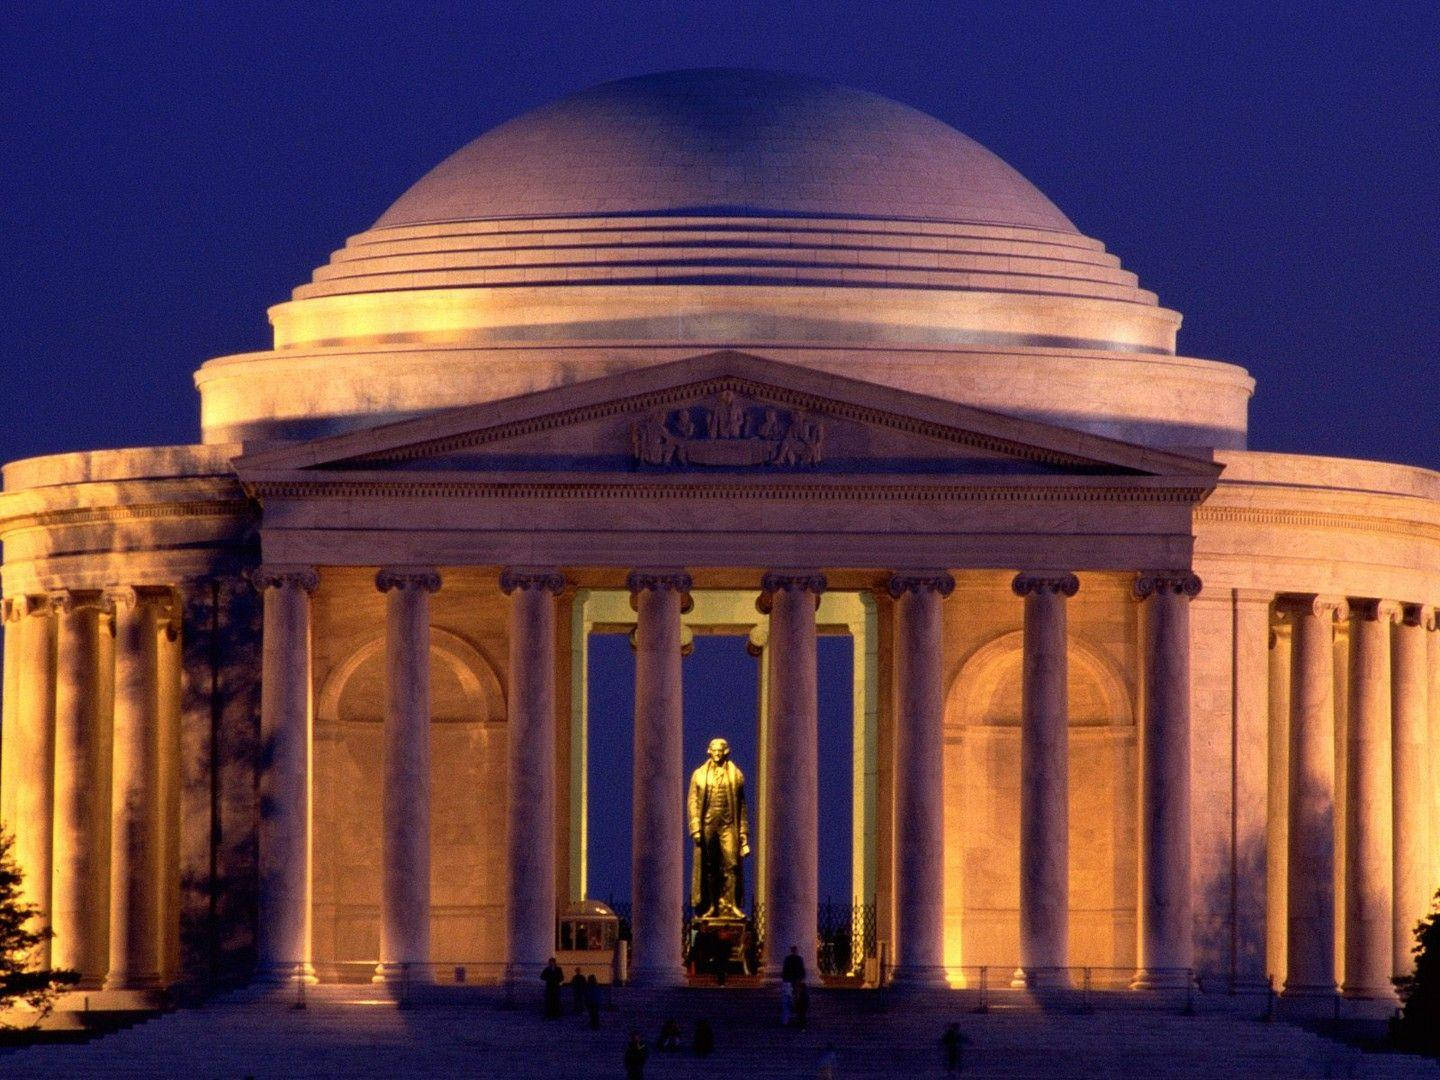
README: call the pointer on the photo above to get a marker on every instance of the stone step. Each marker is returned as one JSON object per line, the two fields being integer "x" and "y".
{"x": 357, "y": 1032}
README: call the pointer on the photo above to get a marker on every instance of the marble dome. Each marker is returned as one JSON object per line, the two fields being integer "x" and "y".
{"x": 730, "y": 141}
{"x": 656, "y": 217}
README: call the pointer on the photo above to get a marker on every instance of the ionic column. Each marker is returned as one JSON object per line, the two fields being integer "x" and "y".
{"x": 285, "y": 747}
{"x": 1310, "y": 856}
{"x": 34, "y": 750}
{"x": 792, "y": 887}
{"x": 1369, "y": 809}
{"x": 405, "y": 795}
{"x": 919, "y": 777}
{"x": 1167, "y": 941}
{"x": 79, "y": 914}
{"x": 136, "y": 852}
{"x": 658, "y": 859}
{"x": 1412, "y": 828}
{"x": 530, "y": 753}
{"x": 1044, "y": 781}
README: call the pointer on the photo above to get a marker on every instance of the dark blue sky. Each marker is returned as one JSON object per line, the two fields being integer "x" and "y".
{"x": 170, "y": 170}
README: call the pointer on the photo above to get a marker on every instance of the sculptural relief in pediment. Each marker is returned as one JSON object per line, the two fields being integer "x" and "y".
{"x": 728, "y": 430}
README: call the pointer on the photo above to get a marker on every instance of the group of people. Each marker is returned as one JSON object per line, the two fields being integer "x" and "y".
{"x": 702, "y": 1045}
{"x": 584, "y": 992}
{"x": 794, "y": 1006}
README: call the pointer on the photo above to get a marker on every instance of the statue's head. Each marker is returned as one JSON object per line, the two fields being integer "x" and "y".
{"x": 718, "y": 750}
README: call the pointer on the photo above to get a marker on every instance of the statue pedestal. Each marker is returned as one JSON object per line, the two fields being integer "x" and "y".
{"x": 720, "y": 946}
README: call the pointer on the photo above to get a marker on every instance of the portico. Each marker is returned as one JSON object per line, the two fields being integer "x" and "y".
{"x": 424, "y": 497}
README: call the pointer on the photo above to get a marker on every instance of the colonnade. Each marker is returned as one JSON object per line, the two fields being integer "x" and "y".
{"x": 791, "y": 825}
{"x": 95, "y": 710}
{"x": 1385, "y": 879}
{"x": 91, "y": 719}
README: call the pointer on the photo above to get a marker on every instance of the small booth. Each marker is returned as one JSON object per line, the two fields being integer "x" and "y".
{"x": 588, "y": 937}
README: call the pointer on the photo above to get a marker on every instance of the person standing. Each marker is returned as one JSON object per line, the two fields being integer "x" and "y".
{"x": 577, "y": 992}
{"x": 592, "y": 1001}
{"x": 954, "y": 1043}
{"x": 704, "y": 1043}
{"x": 552, "y": 977}
{"x": 635, "y": 1055}
{"x": 826, "y": 1070}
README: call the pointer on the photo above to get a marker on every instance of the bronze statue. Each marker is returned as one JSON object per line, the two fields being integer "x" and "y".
{"x": 721, "y": 832}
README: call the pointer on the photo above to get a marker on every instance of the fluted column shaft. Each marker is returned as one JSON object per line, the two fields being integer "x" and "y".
{"x": 1412, "y": 827}
{"x": 530, "y": 769}
{"x": 1310, "y": 859}
{"x": 1044, "y": 780}
{"x": 1167, "y": 935}
{"x": 285, "y": 736}
{"x": 34, "y": 748}
{"x": 405, "y": 795}
{"x": 919, "y": 777}
{"x": 658, "y": 857}
{"x": 792, "y": 886}
{"x": 81, "y": 806}
{"x": 1369, "y": 840}
{"x": 136, "y": 852}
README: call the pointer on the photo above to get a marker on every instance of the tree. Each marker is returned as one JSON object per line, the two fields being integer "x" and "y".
{"x": 19, "y": 982}
{"x": 1418, "y": 1027}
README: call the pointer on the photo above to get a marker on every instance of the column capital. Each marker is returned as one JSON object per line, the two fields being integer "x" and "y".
{"x": 1056, "y": 582}
{"x": 1173, "y": 582}
{"x": 1368, "y": 609}
{"x": 69, "y": 601}
{"x": 1317, "y": 604}
{"x": 408, "y": 577}
{"x": 522, "y": 577}
{"x": 274, "y": 576}
{"x": 811, "y": 581}
{"x": 917, "y": 581}
{"x": 1425, "y": 616}
{"x": 659, "y": 579}
{"x": 17, "y": 607}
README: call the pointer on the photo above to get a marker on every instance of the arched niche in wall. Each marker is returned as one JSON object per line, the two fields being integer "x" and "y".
{"x": 463, "y": 684}
{"x": 982, "y": 805}
{"x": 467, "y": 806}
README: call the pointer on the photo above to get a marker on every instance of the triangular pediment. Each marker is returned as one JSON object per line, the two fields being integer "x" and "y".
{"x": 723, "y": 414}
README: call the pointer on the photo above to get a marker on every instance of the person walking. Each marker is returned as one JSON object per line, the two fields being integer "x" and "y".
{"x": 552, "y": 977}
{"x": 635, "y": 1054}
{"x": 953, "y": 1042}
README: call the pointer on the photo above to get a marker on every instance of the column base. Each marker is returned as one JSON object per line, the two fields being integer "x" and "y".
{"x": 1040, "y": 978}
{"x": 915, "y": 977}
{"x": 1368, "y": 993}
{"x": 403, "y": 973}
{"x": 1161, "y": 979}
{"x": 658, "y": 978}
{"x": 1309, "y": 990}
{"x": 284, "y": 974}
{"x": 138, "y": 980}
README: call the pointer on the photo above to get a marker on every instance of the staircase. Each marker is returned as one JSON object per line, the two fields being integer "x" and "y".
{"x": 356, "y": 1032}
